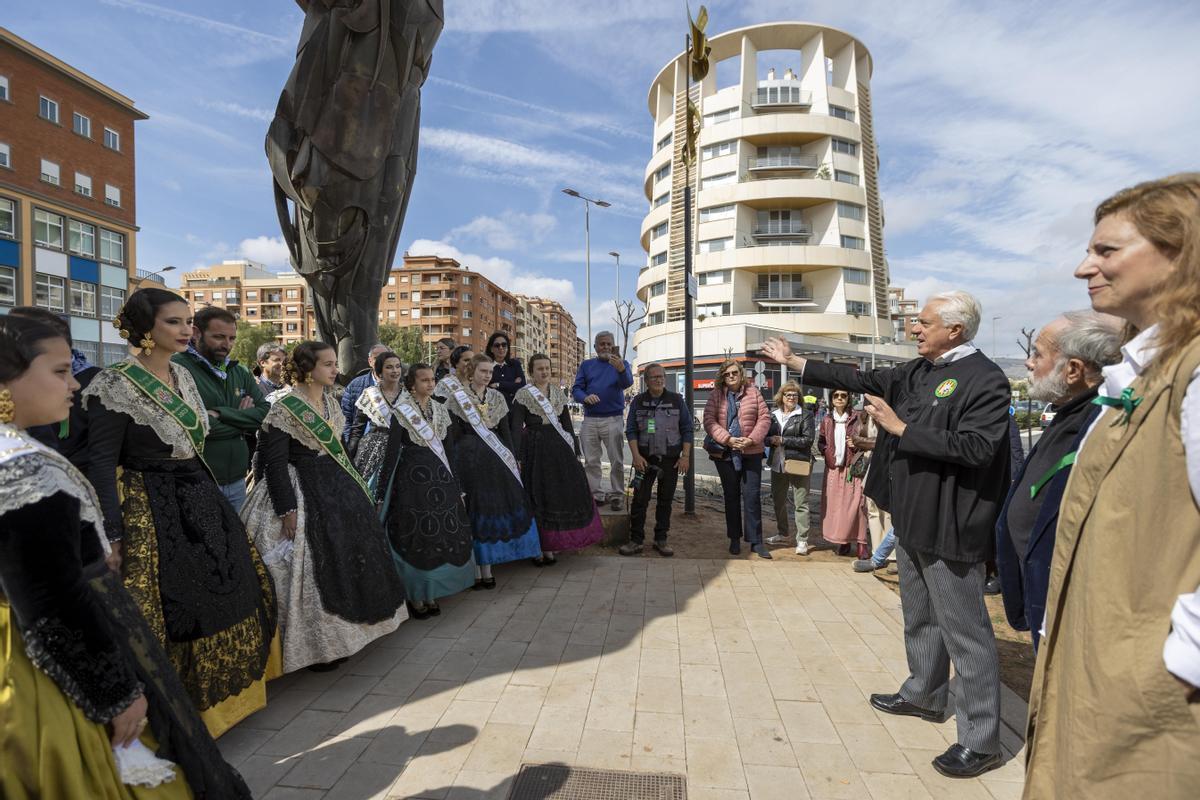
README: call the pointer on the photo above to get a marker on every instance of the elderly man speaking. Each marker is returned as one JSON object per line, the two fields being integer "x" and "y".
{"x": 600, "y": 386}
{"x": 944, "y": 419}
{"x": 1064, "y": 369}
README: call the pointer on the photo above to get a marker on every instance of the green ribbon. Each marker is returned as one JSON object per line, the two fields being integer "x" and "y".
{"x": 325, "y": 436}
{"x": 165, "y": 398}
{"x": 64, "y": 428}
{"x": 1062, "y": 464}
{"x": 1126, "y": 402}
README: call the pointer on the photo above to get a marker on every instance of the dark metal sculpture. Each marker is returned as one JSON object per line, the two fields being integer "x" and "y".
{"x": 343, "y": 153}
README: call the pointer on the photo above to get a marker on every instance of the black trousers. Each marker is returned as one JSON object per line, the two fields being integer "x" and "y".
{"x": 665, "y": 478}
{"x": 743, "y": 498}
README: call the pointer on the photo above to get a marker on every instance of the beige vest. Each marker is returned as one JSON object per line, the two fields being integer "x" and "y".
{"x": 1106, "y": 719}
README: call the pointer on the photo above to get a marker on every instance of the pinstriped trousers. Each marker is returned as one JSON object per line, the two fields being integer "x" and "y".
{"x": 946, "y": 621}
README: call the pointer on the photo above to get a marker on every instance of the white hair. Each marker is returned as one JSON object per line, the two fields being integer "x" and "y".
{"x": 602, "y": 334}
{"x": 959, "y": 308}
{"x": 1095, "y": 339}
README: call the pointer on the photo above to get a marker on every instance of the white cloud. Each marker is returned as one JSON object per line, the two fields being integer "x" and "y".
{"x": 503, "y": 272}
{"x": 511, "y": 231}
{"x": 269, "y": 250}
{"x": 239, "y": 110}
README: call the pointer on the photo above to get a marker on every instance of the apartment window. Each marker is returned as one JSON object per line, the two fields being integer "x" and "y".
{"x": 4, "y": 87}
{"x": 844, "y": 146}
{"x": 5, "y": 155}
{"x": 112, "y": 139}
{"x": 83, "y": 299}
{"x": 112, "y": 195}
{"x": 845, "y": 177}
{"x": 48, "y": 109}
{"x": 391, "y": 296}
{"x": 292, "y": 294}
{"x": 292, "y": 327}
{"x": 658, "y": 231}
{"x": 391, "y": 313}
{"x": 661, "y": 200}
{"x": 714, "y": 278}
{"x": 404, "y": 295}
{"x": 854, "y": 242}
{"x": 850, "y": 210}
{"x": 715, "y": 245}
{"x": 83, "y": 184}
{"x": 199, "y": 295}
{"x": 466, "y": 332}
{"x": 466, "y": 280}
{"x": 841, "y": 113}
{"x": 859, "y": 276}
{"x": 718, "y": 117}
{"x": 658, "y": 288}
{"x": 47, "y": 229}
{"x": 416, "y": 313}
{"x": 112, "y": 247}
{"x": 81, "y": 125}
{"x": 416, "y": 296}
{"x": 404, "y": 312}
{"x": 662, "y": 172}
{"x": 392, "y": 281}
{"x": 466, "y": 313}
{"x": 658, "y": 259}
{"x": 718, "y": 180}
{"x": 725, "y": 148}
{"x": 111, "y": 301}
{"x": 8, "y": 218}
{"x": 657, "y": 318}
{"x": 50, "y": 172}
{"x": 663, "y": 142}
{"x": 231, "y": 295}
{"x": 714, "y": 213}
{"x": 252, "y": 312}
{"x": 81, "y": 239}
{"x": 857, "y": 307}
{"x": 8, "y": 286}
{"x": 404, "y": 279}
{"x": 713, "y": 310}
{"x": 251, "y": 294}
{"x": 50, "y": 292}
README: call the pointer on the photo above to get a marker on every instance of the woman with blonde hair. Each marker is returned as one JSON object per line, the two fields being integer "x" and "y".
{"x": 791, "y": 465}
{"x": 1124, "y": 588}
{"x": 736, "y": 421}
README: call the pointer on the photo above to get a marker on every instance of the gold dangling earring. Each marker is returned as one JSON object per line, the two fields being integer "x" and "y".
{"x": 7, "y": 406}
{"x": 147, "y": 345}
{"x": 308, "y": 378}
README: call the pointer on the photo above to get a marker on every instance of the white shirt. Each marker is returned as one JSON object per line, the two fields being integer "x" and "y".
{"x": 1181, "y": 653}
{"x": 956, "y": 353}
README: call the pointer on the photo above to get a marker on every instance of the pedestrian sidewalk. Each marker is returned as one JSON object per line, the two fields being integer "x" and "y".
{"x": 749, "y": 677}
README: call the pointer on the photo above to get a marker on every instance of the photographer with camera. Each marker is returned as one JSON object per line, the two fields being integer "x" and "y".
{"x": 659, "y": 429}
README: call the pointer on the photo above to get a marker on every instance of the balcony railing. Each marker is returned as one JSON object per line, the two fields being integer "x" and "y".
{"x": 147, "y": 275}
{"x": 784, "y": 162}
{"x": 791, "y": 228}
{"x": 793, "y": 293}
{"x": 781, "y": 96}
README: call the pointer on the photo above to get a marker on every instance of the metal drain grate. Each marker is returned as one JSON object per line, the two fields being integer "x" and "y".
{"x": 558, "y": 782}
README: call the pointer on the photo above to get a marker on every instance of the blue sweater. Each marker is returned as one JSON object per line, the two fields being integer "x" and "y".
{"x": 602, "y": 379}
{"x": 350, "y": 397}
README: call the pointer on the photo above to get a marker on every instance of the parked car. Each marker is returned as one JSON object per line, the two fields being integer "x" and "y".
{"x": 1047, "y": 416}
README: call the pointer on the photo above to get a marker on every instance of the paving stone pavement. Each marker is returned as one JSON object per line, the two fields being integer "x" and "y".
{"x": 749, "y": 677}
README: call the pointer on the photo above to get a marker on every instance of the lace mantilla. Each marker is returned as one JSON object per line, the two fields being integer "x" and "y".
{"x": 440, "y": 423}
{"x": 118, "y": 393}
{"x": 100, "y": 686}
{"x": 281, "y": 419}
{"x": 496, "y": 410}
{"x": 30, "y": 471}
{"x": 558, "y": 401}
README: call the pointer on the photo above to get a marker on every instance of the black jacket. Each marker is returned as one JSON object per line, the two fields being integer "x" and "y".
{"x": 798, "y": 435}
{"x": 508, "y": 378}
{"x": 949, "y": 471}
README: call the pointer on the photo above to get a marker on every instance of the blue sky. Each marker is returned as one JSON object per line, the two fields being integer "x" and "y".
{"x": 1000, "y": 126}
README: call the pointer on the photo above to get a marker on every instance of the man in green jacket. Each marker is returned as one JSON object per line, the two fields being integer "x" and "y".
{"x": 235, "y": 405}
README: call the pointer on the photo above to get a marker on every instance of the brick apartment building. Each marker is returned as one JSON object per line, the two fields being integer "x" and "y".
{"x": 67, "y": 198}
{"x": 903, "y": 312}
{"x": 252, "y": 292}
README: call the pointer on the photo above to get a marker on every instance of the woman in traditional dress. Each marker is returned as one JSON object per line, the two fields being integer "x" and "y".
{"x": 557, "y": 486}
{"x": 181, "y": 548}
{"x": 843, "y": 518}
{"x": 481, "y": 455}
{"x": 372, "y": 418}
{"x": 313, "y": 520}
{"x": 89, "y": 703}
{"x": 422, "y": 507}
{"x": 459, "y": 357}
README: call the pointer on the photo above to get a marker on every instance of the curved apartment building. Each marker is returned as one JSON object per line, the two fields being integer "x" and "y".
{"x": 787, "y": 224}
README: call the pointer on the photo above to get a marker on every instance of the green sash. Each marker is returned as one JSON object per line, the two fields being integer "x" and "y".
{"x": 324, "y": 435}
{"x": 167, "y": 400}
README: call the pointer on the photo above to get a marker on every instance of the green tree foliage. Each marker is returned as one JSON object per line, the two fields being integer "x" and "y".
{"x": 405, "y": 342}
{"x": 249, "y": 338}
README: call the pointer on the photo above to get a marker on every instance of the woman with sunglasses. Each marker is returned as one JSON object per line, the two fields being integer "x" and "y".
{"x": 736, "y": 420}
{"x": 843, "y": 520}
{"x": 507, "y": 375}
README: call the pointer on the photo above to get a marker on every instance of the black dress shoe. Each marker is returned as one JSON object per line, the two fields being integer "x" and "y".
{"x": 961, "y": 762}
{"x": 735, "y": 547}
{"x": 992, "y": 585}
{"x": 489, "y": 583}
{"x": 895, "y": 704}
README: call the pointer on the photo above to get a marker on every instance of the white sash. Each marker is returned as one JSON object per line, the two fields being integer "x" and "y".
{"x": 482, "y": 430}
{"x": 550, "y": 415}
{"x": 372, "y": 403}
{"x": 419, "y": 424}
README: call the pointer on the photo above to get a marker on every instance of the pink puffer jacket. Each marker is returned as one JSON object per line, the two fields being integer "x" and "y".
{"x": 753, "y": 415}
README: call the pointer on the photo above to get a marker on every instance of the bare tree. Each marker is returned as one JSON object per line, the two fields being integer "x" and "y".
{"x": 626, "y": 317}
{"x": 1027, "y": 347}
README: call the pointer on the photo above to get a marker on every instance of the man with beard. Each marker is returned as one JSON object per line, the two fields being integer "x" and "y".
{"x": 231, "y": 396}
{"x": 1064, "y": 369}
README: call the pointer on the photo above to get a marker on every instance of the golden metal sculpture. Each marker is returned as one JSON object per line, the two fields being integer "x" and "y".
{"x": 698, "y": 55}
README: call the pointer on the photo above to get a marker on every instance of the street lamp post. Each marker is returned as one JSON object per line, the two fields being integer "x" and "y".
{"x": 617, "y": 299}
{"x": 588, "y": 202}
{"x": 150, "y": 275}
{"x": 994, "y": 336}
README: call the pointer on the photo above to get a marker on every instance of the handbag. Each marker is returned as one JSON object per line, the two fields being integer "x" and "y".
{"x": 797, "y": 466}
{"x": 716, "y": 451}
{"x": 859, "y": 468}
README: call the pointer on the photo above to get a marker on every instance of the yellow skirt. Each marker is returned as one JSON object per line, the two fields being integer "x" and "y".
{"x": 49, "y": 749}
